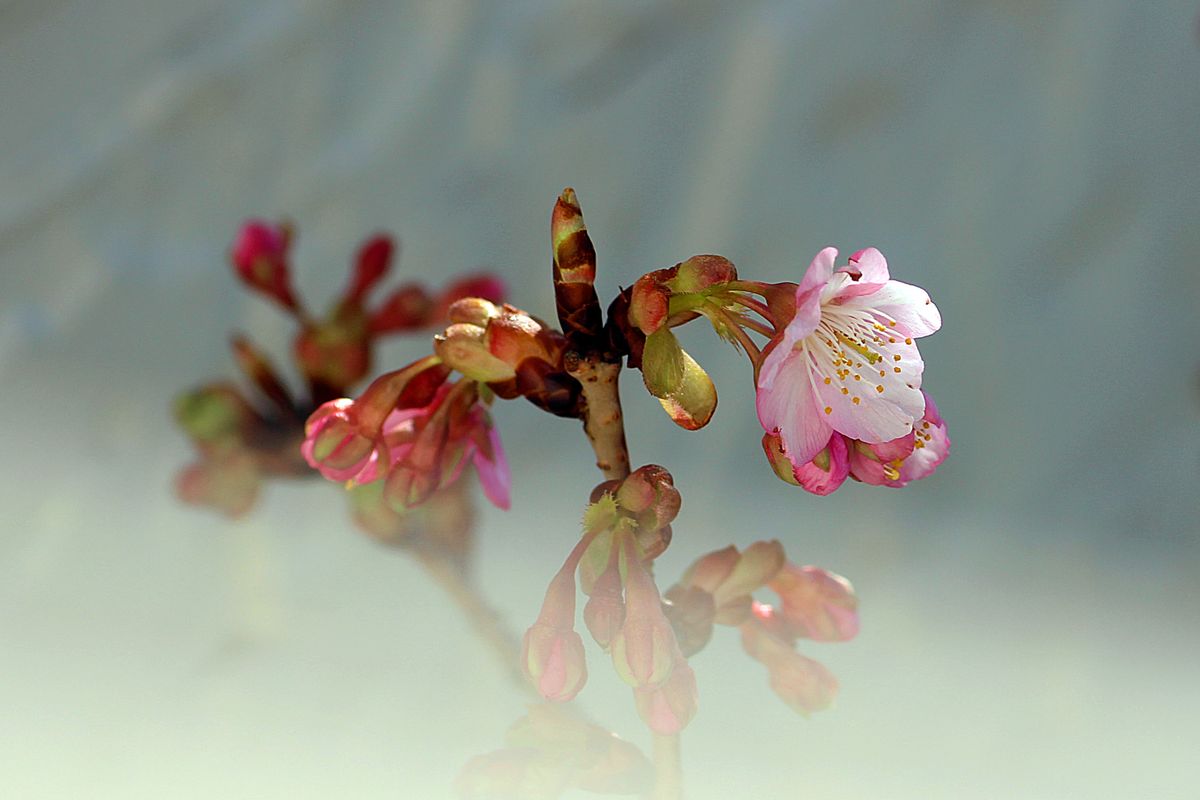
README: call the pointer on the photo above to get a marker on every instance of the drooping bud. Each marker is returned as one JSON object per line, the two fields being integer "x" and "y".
{"x": 805, "y": 685}
{"x": 644, "y": 650}
{"x": 371, "y": 264}
{"x": 604, "y": 613}
{"x": 574, "y": 274}
{"x": 228, "y": 481}
{"x": 681, "y": 385}
{"x": 260, "y": 257}
{"x": 668, "y": 707}
{"x": 552, "y": 654}
{"x": 816, "y": 604}
{"x": 758, "y": 564}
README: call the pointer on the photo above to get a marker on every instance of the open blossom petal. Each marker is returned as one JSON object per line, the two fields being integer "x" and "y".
{"x": 847, "y": 361}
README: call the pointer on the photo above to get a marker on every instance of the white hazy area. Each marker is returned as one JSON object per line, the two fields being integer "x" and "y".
{"x": 1030, "y": 613}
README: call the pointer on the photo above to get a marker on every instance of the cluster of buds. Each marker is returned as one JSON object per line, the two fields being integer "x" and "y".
{"x": 334, "y": 353}
{"x": 838, "y": 383}
{"x": 414, "y": 429}
{"x": 514, "y": 353}
{"x": 550, "y": 751}
{"x": 626, "y": 526}
{"x": 814, "y": 604}
{"x": 243, "y": 439}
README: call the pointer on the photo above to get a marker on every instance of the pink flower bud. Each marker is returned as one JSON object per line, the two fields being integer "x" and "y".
{"x": 554, "y": 660}
{"x": 710, "y": 571}
{"x": 668, "y": 707}
{"x": 604, "y": 613}
{"x": 408, "y": 308}
{"x": 816, "y": 604}
{"x": 552, "y": 654}
{"x": 648, "y": 304}
{"x": 228, "y": 482}
{"x": 336, "y": 445}
{"x": 644, "y": 650}
{"x": 260, "y": 256}
{"x": 370, "y": 266}
{"x": 802, "y": 683}
{"x": 759, "y": 563}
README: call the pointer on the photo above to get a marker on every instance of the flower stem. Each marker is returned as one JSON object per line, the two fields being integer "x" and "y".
{"x": 602, "y": 420}
{"x": 483, "y": 619}
{"x": 668, "y": 767}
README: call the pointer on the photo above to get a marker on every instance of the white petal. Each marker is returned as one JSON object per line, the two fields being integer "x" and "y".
{"x": 909, "y": 306}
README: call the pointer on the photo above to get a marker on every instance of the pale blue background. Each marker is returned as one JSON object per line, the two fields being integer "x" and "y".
{"x": 1029, "y": 613}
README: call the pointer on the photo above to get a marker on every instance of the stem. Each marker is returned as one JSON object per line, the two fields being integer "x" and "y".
{"x": 483, "y": 618}
{"x": 602, "y": 420}
{"x": 668, "y": 767}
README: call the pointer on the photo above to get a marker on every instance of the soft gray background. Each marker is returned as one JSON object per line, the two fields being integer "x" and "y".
{"x": 1029, "y": 613}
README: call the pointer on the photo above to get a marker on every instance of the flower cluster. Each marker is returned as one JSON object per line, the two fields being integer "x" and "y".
{"x": 243, "y": 439}
{"x": 814, "y": 604}
{"x": 625, "y": 528}
{"x": 837, "y": 384}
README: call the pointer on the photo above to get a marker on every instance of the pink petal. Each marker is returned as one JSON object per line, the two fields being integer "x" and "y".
{"x": 494, "y": 475}
{"x": 910, "y": 306}
{"x": 871, "y": 265}
{"x": 808, "y": 315}
{"x": 790, "y": 408}
{"x": 826, "y": 481}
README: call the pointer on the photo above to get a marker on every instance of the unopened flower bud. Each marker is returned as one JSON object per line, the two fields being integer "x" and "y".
{"x": 668, "y": 707}
{"x": 472, "y": 311}
{"x": 649, "y": 303}
{"x": 336, "y": 445}
{"x": 462, "y": 347}
{"x": 709, "y": 571}
{"x": 213, "y": 413}
{"x": 816, "y": 604}
{"x": 552, "y": 652}
{"x": 691, "y": 611}
{"x": 483, "y": 285}
{"x": 370, "y": 266}
{"x": 649, "y": 493}
{"x": 228, "y": 482}
{"x": 604, "y": 613}
{"x": 260, "y": 256}
{"x": 822, "y": 475}
{"x": 802, "y": 683}
{"x": 554, "y": 660}
{"x": 407, "y": 308}
{"x": 702, "y": 272}
{"x": 644, "y": 650}
{"x": 758, "y": 563}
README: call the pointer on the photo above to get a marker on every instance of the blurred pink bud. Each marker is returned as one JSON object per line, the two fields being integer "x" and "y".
{"x": 604, "y": 613}
{"x": 709, "y": 571}
{"x": 336, "y": 444}
{"x": 260, "y": 256}
{"x": 552, "y": 654}
{"x": 214, "y": 413}
{"x": 644, "y": 650}
{"x": 370, "y": 266}
{"x": 759, "y": 563}
{"x": 692, "y": 612}
{"x": 408, "y": 308}
{"x": 228, "y": 482}
{"x": 668, "y": 707}
{"x": 802, "y": 683}
{"x": 554, "y": 660}
{"x": 816, "y": 604}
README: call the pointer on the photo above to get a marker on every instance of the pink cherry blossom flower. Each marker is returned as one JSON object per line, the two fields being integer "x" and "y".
{"x": 337, "y": 445}
{"x": 847, "y": 361}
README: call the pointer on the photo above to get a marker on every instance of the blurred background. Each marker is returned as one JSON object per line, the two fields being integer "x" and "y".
{"x": 1029, "y": 612}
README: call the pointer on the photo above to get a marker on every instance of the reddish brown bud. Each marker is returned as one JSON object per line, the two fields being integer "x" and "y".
{"x": 370, "y": 266}
{"x": 408, "y": 308}
{"x": 260, "y": 257}
{"x": 574, "y": 272}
